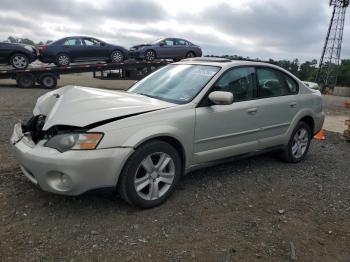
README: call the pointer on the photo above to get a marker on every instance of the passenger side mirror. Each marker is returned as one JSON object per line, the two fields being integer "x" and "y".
{"x": 221, "y": 98}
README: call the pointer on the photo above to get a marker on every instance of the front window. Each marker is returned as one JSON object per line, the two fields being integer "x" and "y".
{"x": 175, "y": 83}
{"x": 241, "y": 82}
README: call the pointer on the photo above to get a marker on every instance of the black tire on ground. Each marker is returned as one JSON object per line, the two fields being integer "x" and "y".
{"x": 150, "y": 55}
{"x": 291, "y": 156}
{"x": 25, "y": 80}
{"x": 126, "y": 185}
{"x": 48, "y": 81}
{"x": 116, "y": 56}
{"x": 190, "y": 54}
{"x": 63, "y": 59}
{"x": 19, "y": 61}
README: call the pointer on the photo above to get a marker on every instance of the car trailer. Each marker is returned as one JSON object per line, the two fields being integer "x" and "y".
{"x": 47, "y": 76}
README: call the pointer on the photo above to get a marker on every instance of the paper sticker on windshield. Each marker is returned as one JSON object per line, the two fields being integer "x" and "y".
{"x": 205, "y": 72}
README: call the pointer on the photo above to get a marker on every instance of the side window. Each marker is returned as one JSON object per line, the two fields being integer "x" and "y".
{"x": 241, "y": 82}
{"x": 272, "y": 83}
{"x": 73, "y": 41}
{"x": 180, "y": 42}
{"x": 168, "y": 42}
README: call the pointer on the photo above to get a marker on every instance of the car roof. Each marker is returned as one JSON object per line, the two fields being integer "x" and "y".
{"x": 225, "y": 63}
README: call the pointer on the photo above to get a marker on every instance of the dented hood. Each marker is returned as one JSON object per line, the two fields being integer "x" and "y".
{"x": 83, "y": 106}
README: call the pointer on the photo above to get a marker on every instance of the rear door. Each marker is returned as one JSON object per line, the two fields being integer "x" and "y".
{"x": 225, "y": 130}
{"x": 75, "y": 48}
{"x": 278, "y": 105}
{"x": 181, "y": 48}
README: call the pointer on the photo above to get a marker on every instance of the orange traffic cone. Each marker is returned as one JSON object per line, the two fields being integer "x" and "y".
{"x": 320, "y": 135}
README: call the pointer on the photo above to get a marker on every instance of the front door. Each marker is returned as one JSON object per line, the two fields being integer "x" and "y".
{"x": 95, "y": 49}
{"x": 226, "y": 130}
{"x": 166, "y": 50}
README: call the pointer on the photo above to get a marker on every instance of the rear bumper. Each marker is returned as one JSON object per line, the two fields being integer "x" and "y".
{"x": 70, "y": 173}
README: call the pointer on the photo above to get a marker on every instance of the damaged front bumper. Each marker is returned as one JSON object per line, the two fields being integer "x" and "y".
{"x": 70, "y": 173}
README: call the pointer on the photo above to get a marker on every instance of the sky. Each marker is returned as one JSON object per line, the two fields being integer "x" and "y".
{"x": 259, "y": 29}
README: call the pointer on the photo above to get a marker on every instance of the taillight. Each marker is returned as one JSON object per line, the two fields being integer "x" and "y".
{"x": 42, "y": 48}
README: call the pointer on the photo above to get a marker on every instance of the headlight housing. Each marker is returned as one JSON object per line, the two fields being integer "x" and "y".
{"x": 75, "y": 141}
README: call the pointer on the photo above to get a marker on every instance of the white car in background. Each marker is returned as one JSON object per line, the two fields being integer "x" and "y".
{"x": 312, "y": 85}
{"x": 179, "y": 118}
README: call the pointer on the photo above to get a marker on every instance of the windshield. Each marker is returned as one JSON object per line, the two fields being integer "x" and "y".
{"x": 155, "y": 41}
{"x": 175, "y": 83}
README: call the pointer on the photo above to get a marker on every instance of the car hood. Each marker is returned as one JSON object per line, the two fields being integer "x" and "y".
{"x": 140, "y": 46}
{"x": 83, "y": 106}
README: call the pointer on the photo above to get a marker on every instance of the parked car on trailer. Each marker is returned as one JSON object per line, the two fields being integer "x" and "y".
{"x": 166, "y": 48}
{"x": 181, "y": 117}
{"x": 81, "y": 49}
{"x": 17, "y": 55}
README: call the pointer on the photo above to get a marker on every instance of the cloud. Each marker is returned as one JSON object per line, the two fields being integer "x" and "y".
{"x": 265, "y": 28}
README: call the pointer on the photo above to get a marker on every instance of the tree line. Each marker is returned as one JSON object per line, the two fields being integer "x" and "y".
{"x": 305, "y": 71}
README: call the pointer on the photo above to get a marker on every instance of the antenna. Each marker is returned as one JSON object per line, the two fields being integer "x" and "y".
{"x": 327, "y": 73}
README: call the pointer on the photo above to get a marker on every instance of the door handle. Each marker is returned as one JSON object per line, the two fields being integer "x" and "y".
{"x": 293, "y": 104}
{"x": 252, "y": 111}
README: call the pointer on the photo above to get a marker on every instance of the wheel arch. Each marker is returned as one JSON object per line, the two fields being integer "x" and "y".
{"x": 121, "y": 51}
{"x": 171, "y": 140}
{"x": 16, "y": 52}
{"x": 309, "y": 121}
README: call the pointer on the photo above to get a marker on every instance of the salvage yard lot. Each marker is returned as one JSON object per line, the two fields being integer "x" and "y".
{"x": 248, "y": 210}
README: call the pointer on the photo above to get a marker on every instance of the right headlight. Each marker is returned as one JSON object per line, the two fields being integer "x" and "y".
{"x": 75, "y": 141}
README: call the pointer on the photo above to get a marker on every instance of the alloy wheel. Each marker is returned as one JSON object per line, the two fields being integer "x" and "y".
{"x": 150, "y": 55}
{"x": 63, "y": 60}
{"x": 117, "y": 56}
{"x": 19, "y": 62}
{"x": 154, "y": 176}
{"x": 300, "y": 143}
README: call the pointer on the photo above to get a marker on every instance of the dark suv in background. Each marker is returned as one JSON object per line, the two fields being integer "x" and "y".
{"x": 165, "y": 48}
{"x": 17, "y": 55}
{"x": 81, "y": 49}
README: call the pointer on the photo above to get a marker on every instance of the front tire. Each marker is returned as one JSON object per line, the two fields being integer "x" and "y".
{"x": 19, "y": 61}
{"x": 117, "y": 56}
{"x": 299, "y": 144}
{"x": 150, "y": 55}
{"x": 150, "y": 175}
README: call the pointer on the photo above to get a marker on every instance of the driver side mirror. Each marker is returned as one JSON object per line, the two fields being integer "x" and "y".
{"x": 161, "y": 44}
{"x": 221, "y": 98}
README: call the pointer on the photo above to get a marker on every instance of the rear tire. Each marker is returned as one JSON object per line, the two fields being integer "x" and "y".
{"x": 299, "y": 144}
{"x": 25, "y": 80}
{"x": 19, "y": 61}
{"x": 190, "y": 55}
{"x": 63, "y": 59}
{"x": 150, "y": 174}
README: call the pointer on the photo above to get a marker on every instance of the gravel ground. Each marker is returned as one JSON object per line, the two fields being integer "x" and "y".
{"x": 249, "y": 210}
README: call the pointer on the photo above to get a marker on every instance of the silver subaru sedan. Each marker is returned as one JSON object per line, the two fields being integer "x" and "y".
{"x": 182, "y": 117}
